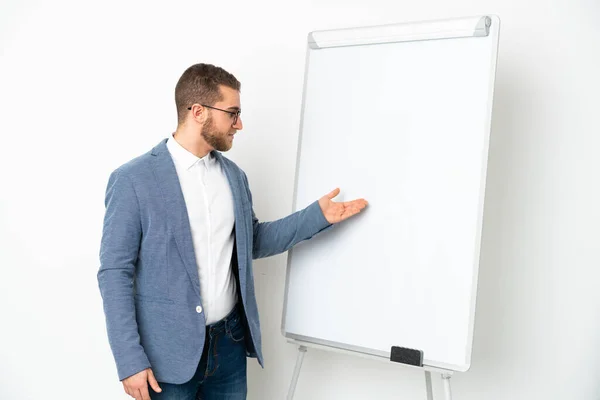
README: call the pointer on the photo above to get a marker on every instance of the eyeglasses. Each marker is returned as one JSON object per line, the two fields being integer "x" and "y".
{"x": 234, "y": 114}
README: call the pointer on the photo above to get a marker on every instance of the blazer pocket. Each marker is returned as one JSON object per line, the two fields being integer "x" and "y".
{"x": 140, "y": 297}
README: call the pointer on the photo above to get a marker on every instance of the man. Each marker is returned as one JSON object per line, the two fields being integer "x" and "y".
{"x": 177, "y": 246}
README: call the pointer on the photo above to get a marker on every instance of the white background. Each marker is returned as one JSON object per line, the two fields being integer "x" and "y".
{"x": 86, "y": 86}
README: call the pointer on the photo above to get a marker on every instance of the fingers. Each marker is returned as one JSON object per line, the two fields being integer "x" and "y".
{"x": 135, "y": 393}
{"x": 333, "y": 193}
{"x": 356, "y": 204}
{"x": 153, "y": 382}
{"x": 137, "y": 385}
{"x": 353, "y": 207}
{"x": 144, "y": 393}
{"x": 129, "y": 390}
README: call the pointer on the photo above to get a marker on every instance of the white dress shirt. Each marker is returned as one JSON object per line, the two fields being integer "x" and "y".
{"x": 209, "y": 204}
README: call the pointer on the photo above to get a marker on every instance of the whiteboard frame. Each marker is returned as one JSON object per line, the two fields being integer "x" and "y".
{"x": 492, "y": 26}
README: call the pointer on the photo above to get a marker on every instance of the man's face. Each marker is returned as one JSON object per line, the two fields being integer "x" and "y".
{"x": 219, "y": 128}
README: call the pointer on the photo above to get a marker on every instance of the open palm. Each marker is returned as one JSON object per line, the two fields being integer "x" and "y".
{"x": 336, "y": 212}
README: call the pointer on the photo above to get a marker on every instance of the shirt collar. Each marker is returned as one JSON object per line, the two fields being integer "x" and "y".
{"x": 184, "y": 158}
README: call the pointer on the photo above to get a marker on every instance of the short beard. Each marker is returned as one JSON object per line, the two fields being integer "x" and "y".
{"x": 214, "y": 138}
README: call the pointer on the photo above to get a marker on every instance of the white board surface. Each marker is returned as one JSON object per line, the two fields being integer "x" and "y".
{"x": 406, "y": 125}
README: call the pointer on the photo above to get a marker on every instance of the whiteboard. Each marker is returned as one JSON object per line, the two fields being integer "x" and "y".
{"x": 399, "y": 115}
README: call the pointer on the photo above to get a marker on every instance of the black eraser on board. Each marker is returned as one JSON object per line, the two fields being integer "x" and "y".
{"x": 407, "y": 356}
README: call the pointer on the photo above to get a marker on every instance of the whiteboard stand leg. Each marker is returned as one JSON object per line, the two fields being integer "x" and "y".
{"x": 446, "y": 381}
{"x": 428, "y": 385}
{"x": 301, "y": 353}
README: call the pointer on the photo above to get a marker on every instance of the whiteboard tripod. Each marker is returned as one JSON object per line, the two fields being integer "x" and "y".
{"x": 303, "y": 348}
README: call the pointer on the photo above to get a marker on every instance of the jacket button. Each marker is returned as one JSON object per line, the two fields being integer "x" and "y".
{"x": 198, "y": 309}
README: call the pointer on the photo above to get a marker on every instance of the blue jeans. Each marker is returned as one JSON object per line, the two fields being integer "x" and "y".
{"x": 221, "y": 373}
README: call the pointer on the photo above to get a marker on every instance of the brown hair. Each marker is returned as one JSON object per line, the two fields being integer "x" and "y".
{"x": 200, "y": 84}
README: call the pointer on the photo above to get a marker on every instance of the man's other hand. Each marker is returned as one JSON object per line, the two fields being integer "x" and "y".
{"x": 137, "y": 385}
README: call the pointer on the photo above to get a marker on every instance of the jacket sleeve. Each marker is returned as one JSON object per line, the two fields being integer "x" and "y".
{"x": 271, "y": 238}
{"x": 119, "y": 248}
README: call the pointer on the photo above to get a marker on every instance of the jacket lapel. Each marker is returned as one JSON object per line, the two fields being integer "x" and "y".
{"x": 241, "y": 236}
{"x": 177, "y": 215}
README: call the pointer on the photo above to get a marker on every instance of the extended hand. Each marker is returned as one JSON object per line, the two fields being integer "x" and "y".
{"x": 337, "y": 212}
{"x": 137, "y": 385}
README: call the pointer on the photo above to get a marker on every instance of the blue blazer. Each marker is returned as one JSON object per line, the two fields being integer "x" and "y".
{"x": 148, "y": 276}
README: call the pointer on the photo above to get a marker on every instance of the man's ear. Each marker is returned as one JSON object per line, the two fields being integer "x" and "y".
{"x": 198, "y": 113}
